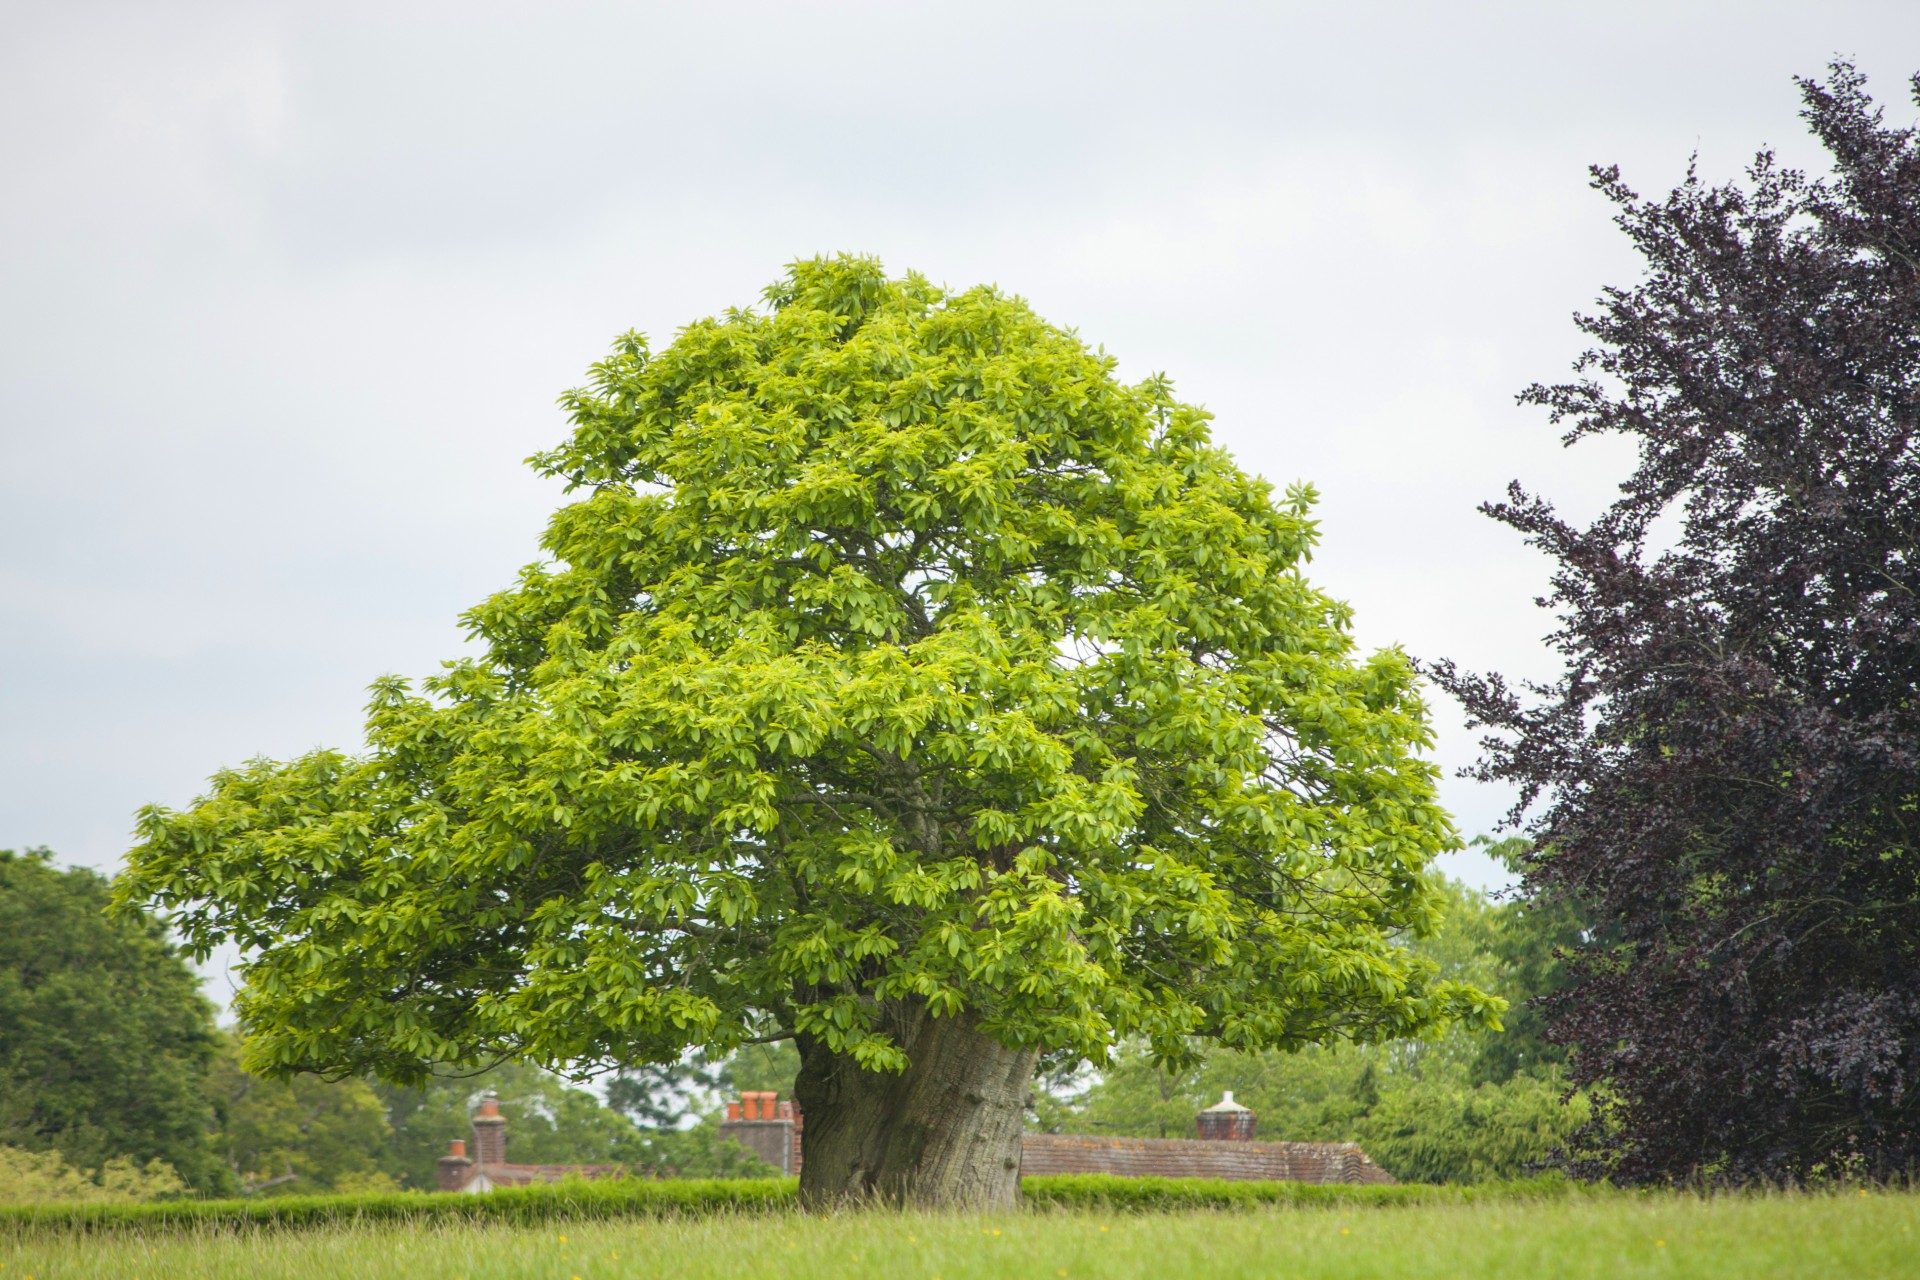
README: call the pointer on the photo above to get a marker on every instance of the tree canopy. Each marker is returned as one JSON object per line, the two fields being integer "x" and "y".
{"x": 299, "y": 1134}
{"x": 894, "y": 655}
{"x": 1726, "y": 770}
{"x": 105, "y": 1039}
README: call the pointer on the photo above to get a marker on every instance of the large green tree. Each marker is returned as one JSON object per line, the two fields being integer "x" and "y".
{"x": 105, "y": 1038}
{"x": 901, "y": 682}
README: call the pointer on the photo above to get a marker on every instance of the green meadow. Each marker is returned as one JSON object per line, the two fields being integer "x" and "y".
{"x": 1579, "y": 1235}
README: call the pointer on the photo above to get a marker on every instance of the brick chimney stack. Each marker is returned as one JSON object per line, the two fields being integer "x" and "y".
{"x": 455, "y": 1168}
{"x": 489, "y": 1132}
{"x": 1225, "y": 1121}
{"x": 766, "y": 1126}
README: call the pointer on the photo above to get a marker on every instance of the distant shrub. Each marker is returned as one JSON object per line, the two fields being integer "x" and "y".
{"x": 44, "y": 1177}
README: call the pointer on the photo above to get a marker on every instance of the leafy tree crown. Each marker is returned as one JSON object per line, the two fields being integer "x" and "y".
{"x": 893, "y": 650}
{"x": 105, "y": 1038}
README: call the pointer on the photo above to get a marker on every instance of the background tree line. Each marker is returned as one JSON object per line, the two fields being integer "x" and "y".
{"x": 116, "y": 1080}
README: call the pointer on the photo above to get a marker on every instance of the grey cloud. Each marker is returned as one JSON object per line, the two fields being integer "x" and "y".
{"x": 287, "y": 292}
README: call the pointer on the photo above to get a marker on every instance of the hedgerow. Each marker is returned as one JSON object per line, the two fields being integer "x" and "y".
{"x": 1104, "y": 1191}
{"x": 517, "y": 1206}
{"x": 580, "y": 1200}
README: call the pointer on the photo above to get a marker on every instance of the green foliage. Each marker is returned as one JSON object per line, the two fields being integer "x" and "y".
{"x": 42, "y": 1177}
{"x": 104, "y": 1036}
{"x": 1442, "y": 1131}
{"x": 552, "y": 1122}
{"x": 894, "y": 651}
{"x": 108, "y": 1055}
{"x": 424, "y": 1121}
{"x": 761, "y": 1067}
{"x": 1464, "y": 1106}
{"x": 299, "y": 1134}
{"x": 1526, "y": 942}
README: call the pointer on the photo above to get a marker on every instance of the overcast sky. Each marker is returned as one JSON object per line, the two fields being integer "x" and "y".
{"x": 287, "y": 293}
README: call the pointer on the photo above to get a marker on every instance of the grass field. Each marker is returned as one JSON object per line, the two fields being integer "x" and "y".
{"x": 1839, "y": 1235}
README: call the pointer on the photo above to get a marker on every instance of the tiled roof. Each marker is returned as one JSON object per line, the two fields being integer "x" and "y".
{"x": 523, "y": 1175}
{"x": 1045, "y": 1153}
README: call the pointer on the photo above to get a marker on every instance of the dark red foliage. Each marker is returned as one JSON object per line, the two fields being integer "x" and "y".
{"x": 1724, "y": 778}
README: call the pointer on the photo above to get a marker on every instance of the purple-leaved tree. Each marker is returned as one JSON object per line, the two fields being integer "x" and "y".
{"x": 1724, "y": 776}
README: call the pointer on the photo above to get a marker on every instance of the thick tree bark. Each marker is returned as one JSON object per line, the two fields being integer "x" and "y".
{"x": 945, "y": 1133}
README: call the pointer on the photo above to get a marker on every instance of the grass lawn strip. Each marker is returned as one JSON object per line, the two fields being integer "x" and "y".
{"x": 1573, "y": 1236}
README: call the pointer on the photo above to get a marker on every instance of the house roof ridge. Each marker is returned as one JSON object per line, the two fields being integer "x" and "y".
{"x": 1116, "y": 1138}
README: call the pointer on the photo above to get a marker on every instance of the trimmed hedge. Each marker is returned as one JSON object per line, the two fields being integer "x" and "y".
{"x": 1153, "y": 1195}
{"x": 641, "y": 1197}
{"x": 516, "y": 1206}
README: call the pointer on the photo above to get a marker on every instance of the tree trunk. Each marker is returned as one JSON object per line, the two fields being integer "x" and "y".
{"x": 945, "y": 1133}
